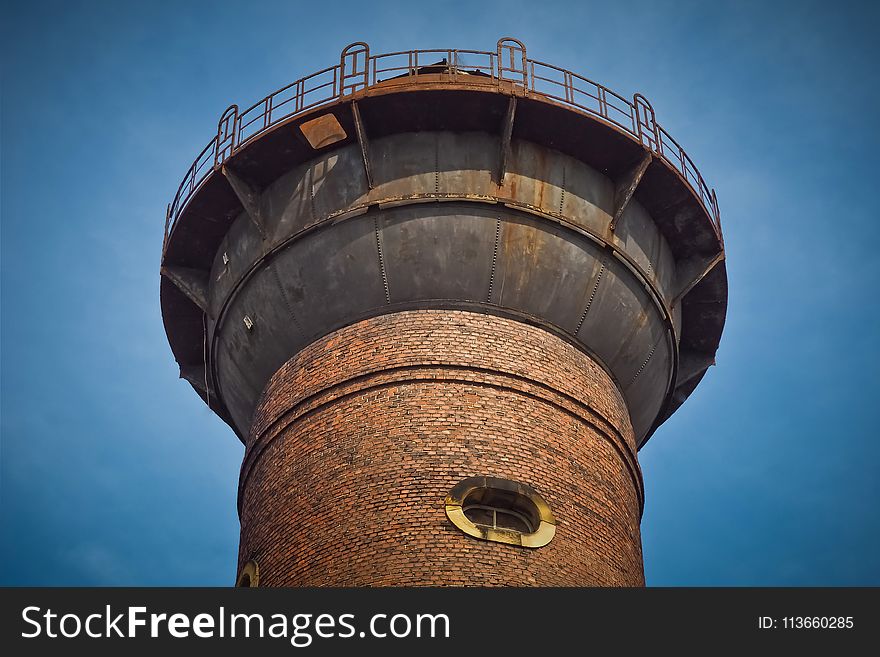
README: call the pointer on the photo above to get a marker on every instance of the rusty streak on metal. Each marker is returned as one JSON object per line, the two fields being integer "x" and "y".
{"x": 247, "y": 196}
{"x": 690, "y": 272}
{"x": 192, "y": 282}
{"x": 362, "y": 142}
{"x": 626, "y": 187}
{"x": 506, "y": 133}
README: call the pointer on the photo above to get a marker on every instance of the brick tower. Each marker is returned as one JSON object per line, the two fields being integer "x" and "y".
{"x": 443, "y": 297}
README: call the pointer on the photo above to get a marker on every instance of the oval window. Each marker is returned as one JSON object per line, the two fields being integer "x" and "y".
{"x": 249, "y": 575}
{"x": 501, "y": 510}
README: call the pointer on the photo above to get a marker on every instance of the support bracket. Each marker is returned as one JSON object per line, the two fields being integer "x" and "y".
{"x": 192, "y": 282}
{"x": 247, "y": 196}
{"x": 506, "y": 134}
{"x": 691, "y": 271}
{"x": 363, "y": 142}
{"x": 626, "y": 186}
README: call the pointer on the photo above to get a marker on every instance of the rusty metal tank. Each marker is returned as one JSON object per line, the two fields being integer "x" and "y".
{"x": 451, "y": 179}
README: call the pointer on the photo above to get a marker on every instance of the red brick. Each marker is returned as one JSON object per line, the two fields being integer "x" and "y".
{"x": 359, "y": 437}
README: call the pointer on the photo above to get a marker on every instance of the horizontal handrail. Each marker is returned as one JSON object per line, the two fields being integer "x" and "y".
{"x": 358, "y": 70}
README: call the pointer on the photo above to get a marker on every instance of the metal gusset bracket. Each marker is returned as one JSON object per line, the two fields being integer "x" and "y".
{"x": 248, "y": 196}
{"x": 506, "y": 134}
{"x": 192, "y": 282}
{"x": 691, "y": 271}
{"x": 626, "y": 186}
{"x": 363, "y": 142}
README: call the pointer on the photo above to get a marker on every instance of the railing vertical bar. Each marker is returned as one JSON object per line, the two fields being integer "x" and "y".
{"x": 167, "y": 222}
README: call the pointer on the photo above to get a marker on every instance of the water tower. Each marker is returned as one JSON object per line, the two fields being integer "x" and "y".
{"x": 442, "y": 297}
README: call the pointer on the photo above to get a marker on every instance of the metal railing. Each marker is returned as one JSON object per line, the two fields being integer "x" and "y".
{"x": 358, "y": 70}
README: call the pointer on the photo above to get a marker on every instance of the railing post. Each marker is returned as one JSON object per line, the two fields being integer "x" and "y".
{"x": 348, "y": 67}
{"x": 226, "y": 129}
{"x": 644, "y": 110}
{"x": 717, "y": 217}
{"x": 167, "y": 223}
{"x": 517, "y": 51}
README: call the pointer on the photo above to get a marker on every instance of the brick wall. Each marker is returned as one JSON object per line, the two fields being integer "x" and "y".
{"x": 359, "y": 437}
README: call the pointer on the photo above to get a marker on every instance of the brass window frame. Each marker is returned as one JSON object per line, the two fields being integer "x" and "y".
{"x": 251, "y": 570}
{"x": 455, "y": 501}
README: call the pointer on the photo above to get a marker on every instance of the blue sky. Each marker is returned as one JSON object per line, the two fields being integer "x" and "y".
{"x": 115, "y": 473}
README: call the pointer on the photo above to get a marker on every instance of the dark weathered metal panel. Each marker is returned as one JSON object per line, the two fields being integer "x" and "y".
{"x": 465, "y": 162}
{"x": 544, "y": 270}
{"x": 419, "y": 245}
{"x": 312, "y": 286}
{"x": 338, "y": 181}
{"x": 405, "y": 165}
{"x": 289, "y": 203}
{"x": 438, "y": 251}
{"x": 235, "y": 256}
{"x": 588, "y": 196}
{"x": 622, "y": 324}
{"x": 536, "y": 176}
{"x": 641, "y": 395}
{"x": 332, "y": 273}
{"x": 640, "y": 238}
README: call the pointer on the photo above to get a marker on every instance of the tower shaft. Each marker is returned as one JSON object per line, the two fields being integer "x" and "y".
{"x": 360, "y": 437}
